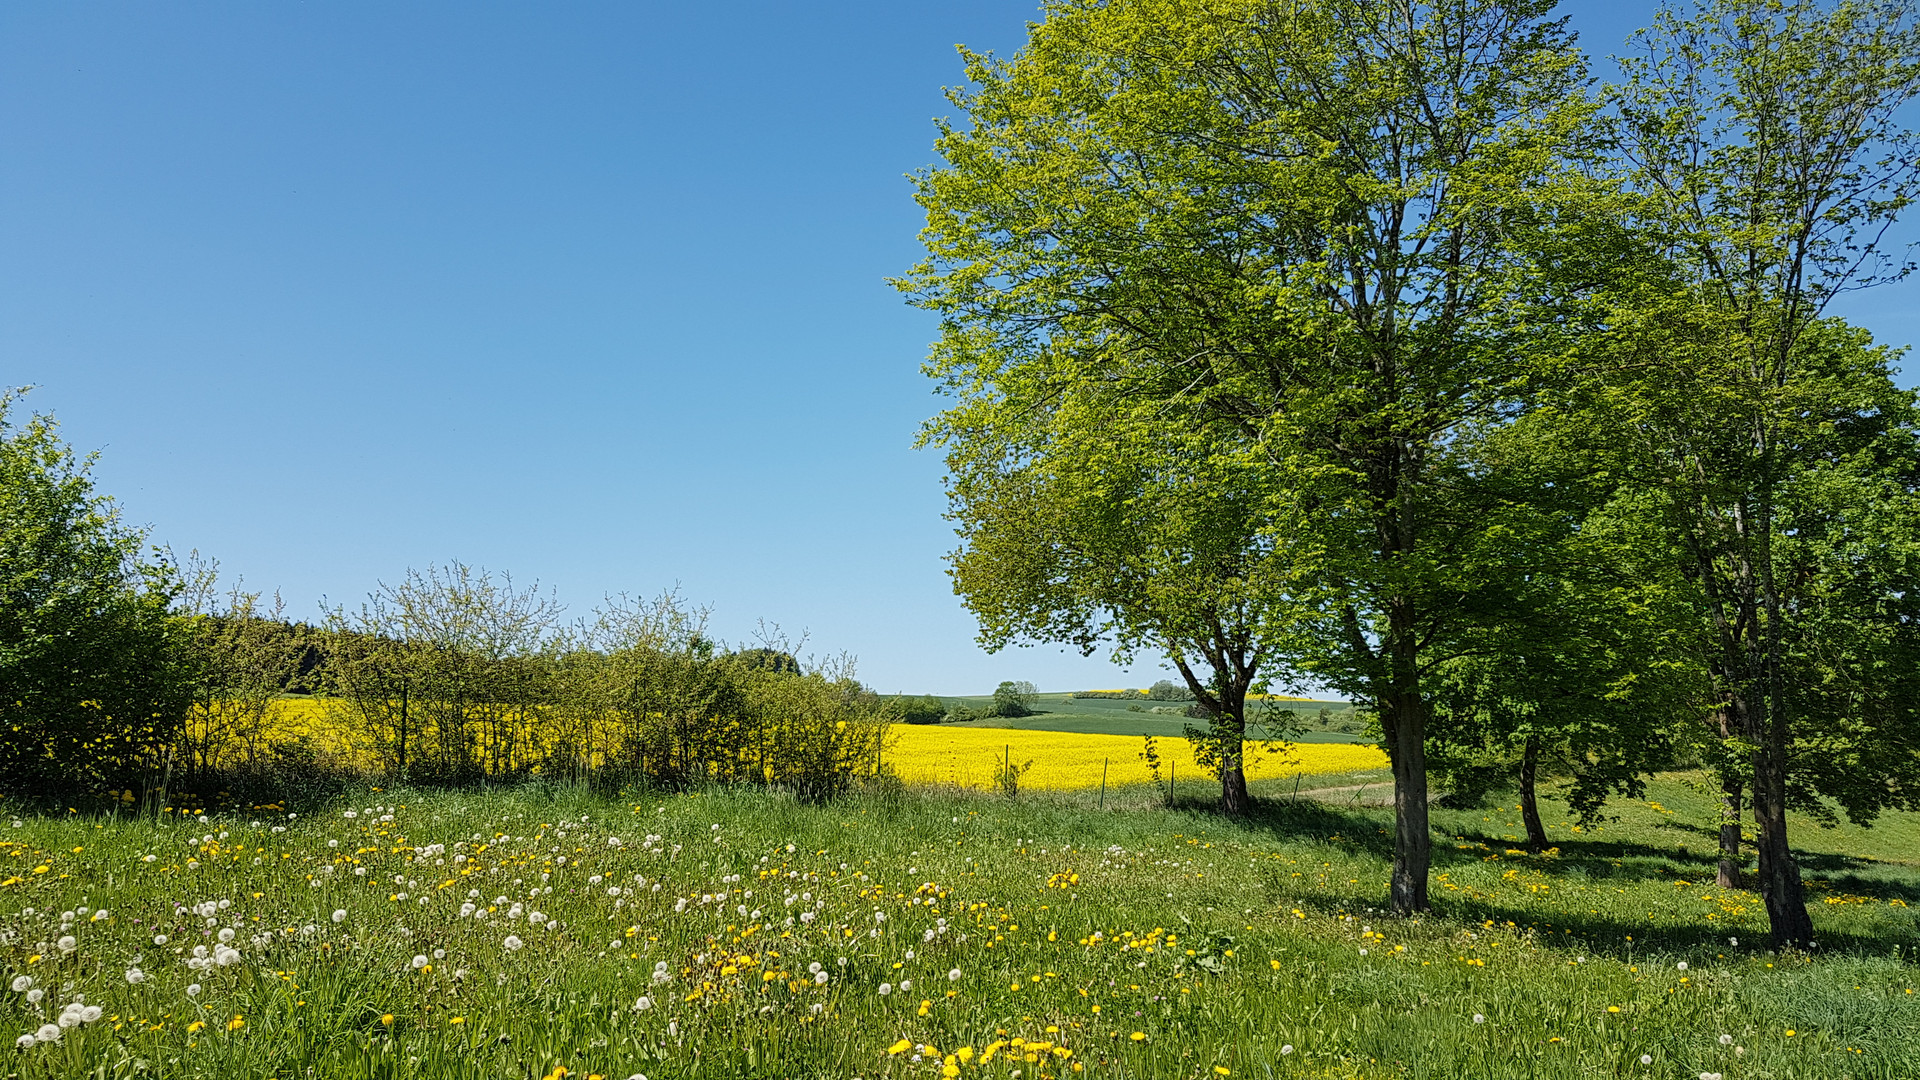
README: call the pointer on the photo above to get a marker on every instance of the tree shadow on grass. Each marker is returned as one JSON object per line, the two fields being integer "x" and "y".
{"x": 1368, "y": 832}
{"x": 1600, "y": 935}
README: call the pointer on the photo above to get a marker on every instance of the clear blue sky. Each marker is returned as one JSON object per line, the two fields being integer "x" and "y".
{"x": 589, "y": 292}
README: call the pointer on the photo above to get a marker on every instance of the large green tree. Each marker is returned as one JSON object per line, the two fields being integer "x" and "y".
{"x": 1305, "y": 235}
{"x": 92, "y": 681}
{"x": 1766, "y": 146}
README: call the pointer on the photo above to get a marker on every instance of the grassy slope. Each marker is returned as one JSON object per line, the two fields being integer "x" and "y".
{"x": 1543, "y": 948}
{"x": 1111, "y": 716}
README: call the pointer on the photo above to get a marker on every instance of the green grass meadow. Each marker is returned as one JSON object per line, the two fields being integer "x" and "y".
{"x": 1055, "y": 711}
{"x": 522, "y": 932}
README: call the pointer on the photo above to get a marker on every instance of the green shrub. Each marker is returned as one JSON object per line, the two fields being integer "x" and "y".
{"x": 92, "y": 679}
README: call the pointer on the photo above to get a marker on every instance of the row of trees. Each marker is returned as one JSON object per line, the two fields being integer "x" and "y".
{"x": 1374, "y": 346}
{"x": 128, "y": 671}
{"x": 455, "y": 673}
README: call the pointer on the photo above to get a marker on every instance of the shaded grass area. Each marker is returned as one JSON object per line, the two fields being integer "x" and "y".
{"x": 1129, "y": 938}
{"x": 1134, "y": 717}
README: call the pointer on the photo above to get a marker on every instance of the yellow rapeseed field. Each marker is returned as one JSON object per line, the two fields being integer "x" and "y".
{"x": 1064, "y": 760}
{"x": 949, "y": 755}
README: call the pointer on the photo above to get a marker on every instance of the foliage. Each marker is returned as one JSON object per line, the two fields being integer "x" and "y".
{"x": 1013, "y": 699}
{"x": 1164, "y": 690}
{"x": 243, "y": 655}
{"x": 1006, "y": 775}
{"x": 92, "y": 687}
{"x": 456, "y": 674}
{"x": 1227, "y": 291}
{"x": 1778, "y": 461}
{"x": 918, "y": 710}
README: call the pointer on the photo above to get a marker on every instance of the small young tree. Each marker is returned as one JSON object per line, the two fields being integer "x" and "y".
{"x": 448, "y": 670}
{"x": 243, "y": 655}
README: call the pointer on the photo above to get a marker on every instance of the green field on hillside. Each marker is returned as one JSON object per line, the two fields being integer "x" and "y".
{"x": 542, "y": 932}
{"x": 1061, "y": 711}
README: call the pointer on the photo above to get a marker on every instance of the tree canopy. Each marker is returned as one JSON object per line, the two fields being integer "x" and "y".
{"x": 1373, "y": 347}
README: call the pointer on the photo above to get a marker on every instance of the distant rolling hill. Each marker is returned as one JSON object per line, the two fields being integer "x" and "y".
{"x": 1325, "y": 721}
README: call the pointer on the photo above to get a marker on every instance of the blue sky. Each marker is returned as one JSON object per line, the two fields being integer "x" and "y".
{"x": 592, "y": 293}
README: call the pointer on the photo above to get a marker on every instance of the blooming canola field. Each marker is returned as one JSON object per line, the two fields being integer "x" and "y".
{"x": 968, "y": 757}
{"x": 961, "y": 756}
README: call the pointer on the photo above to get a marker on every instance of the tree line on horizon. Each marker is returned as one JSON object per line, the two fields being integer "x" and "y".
{"x": 1381, "y": 349}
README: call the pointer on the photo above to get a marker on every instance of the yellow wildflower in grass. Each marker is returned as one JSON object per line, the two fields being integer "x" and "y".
{"x": 236, "y": 1023}
{"x": 1069, "y": 760}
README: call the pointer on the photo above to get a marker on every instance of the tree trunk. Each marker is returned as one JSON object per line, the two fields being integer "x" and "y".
{"x": 1789, "y": 924}
{"x": 1230, "y": 728}
{"x": 1529, "y": 808}
{"x": 1406, "y": 730}
{"x": 1731, "y": 792}
{"x": 1226, "y": 707}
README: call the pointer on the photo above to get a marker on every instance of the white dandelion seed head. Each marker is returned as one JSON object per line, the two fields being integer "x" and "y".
{"x": 193, "y": 989}
{"x": 419, "y": 961}
{"x": 23, "y": 983}
{"x": 885, "y": 989}
{"x": 1646, "y": 1059}
{"x": 1726, "y": 1040}
{"x": 1479, "y": 1018}
{"x": 1287, "y": 1049}
{"x": 47, "y": 1033}
{"x": 35, "y": 996}
{"x": 954, "y": 975}
{"x": 25, "y": 1041}
{"x": 340, "y": 915}
{"x": 513, "y": 944}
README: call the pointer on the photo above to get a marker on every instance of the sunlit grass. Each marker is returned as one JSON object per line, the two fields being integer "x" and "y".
{"x": 1252, "y": 948}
